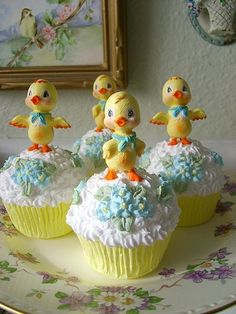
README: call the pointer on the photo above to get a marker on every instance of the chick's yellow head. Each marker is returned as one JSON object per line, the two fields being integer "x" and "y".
{"x": 42, "y": 96}
{"x": 122, "y": 112}
{"x": 176, "y": 92}
{"x": 103, "y": 87}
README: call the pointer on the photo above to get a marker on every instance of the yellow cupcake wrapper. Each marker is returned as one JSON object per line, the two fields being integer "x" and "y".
{"x": 196, "y": 210}
{"x": 42, "y": 222}
{"x": 121, "y": 262}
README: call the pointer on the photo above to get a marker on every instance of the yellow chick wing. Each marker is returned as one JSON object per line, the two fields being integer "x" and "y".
{"x": 161, "y": 118}
{"x": 60, "y": 122}
{"x": 96, "y": 110}
{"x": 197, "y": 114}
{"x": 109, "y": 149}
{"x": 20, "y": 122}
{"x": 140, "y": 146}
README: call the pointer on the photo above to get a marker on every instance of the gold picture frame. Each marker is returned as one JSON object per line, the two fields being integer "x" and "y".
{"x": 114, "y": 58}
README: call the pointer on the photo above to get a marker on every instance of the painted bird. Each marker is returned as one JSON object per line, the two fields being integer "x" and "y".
{"x": 41, "y": 98}
{"x": 122, "y": 111}
{"x": 103, "y": 87}
{"x": 28, "y": 26}
{"x": 176, "y": 95}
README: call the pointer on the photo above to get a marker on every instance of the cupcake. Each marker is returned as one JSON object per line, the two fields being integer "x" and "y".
{"x": 36, "y": 189}
{"x": 89, "y": 146}
{"x": 37, "y": 186}
{"x": 122, "y": 215}
{"x": 194, "y": 171}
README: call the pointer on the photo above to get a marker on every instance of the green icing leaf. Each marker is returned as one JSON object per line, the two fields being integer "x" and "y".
{"x": 139, "y": 191}
{"x": 76, "y": 199}
{"x": 103, "y": 193}
{"x": 164, "y": 193}
{"x": 123, "y": 224}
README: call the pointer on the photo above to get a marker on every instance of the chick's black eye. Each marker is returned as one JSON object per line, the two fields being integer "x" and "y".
{"x": 169, "y": 89}
{"x": 29, "y": 93}
{"x": 46, "y": 94}
{"x": 108, "y": 85}
{"x": 185, "y": 89}
{"x": 96, "y": 87}
{"x": 110, "y": 113}
{"x": 130, "y": 113}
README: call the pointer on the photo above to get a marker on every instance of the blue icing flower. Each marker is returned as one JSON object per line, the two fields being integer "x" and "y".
{"x": 217, "y": 158}
{"x": 30, "y": 172}
{"x": 144, "y": 161}
{"x": 124, "y": 202}
{"x": 103, "y": 211}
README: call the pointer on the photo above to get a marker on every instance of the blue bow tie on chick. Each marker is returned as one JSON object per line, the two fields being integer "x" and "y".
{"x": 179, "y": 109}
{"x": 124, "y": 141}
{"x": 39, "y": 116}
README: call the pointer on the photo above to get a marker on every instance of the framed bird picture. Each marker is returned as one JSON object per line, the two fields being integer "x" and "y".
{"x": 69, "y": 42}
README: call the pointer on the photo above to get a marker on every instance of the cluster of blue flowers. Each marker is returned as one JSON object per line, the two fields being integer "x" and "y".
{"x": 28, "y": 172}
{"x": 124, "y": 202}
{"x": 181, "y": 169}
{"x": 94, "y": 148}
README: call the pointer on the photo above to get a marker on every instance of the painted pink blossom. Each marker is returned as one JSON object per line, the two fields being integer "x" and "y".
{"x": 77, "y": 300}
{"x": 225, "y": 272}
{"x": 3, "y": 210}
{"x": 224, "y": 229}
{"x": 167, "y": 272}
{"x": 196, "y": 276}
{"x": 223, "y": 207}
{"x": 230, "y": 187}
{"x": 65, "y": 12}
{"x": 48, "y": 33}
{"x": 110, "y": 309}
{"x": 220, "y": 254}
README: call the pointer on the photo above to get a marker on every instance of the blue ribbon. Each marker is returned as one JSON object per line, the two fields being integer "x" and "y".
{"x": 178, "y": 109}
{"x": 102, "y": 104}
{"x": 39, "y": 116}
{"x": 124, "y": 141}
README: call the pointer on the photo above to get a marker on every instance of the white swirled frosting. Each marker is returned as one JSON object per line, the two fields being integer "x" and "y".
{"x": 84, "y": 221}
{"x": 60, "y": 188}
{"x": 212, "y": 180}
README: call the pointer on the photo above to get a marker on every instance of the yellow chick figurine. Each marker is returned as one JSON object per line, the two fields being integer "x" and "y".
{"x": 103, "y": 87}
{"x": 41, "y": 98}
{"x": 176, "y": 95}
{"x": 122, "y": 111}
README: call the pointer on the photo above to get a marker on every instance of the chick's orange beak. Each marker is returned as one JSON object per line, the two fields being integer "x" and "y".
{"x": 36, "y": 100}
{"x": 103, "y": 91}
{"x": 121, "y": 121}
{"x": 178, "y": 94}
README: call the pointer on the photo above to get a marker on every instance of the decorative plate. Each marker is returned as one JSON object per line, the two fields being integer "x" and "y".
{"x": 197, "y": 274}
